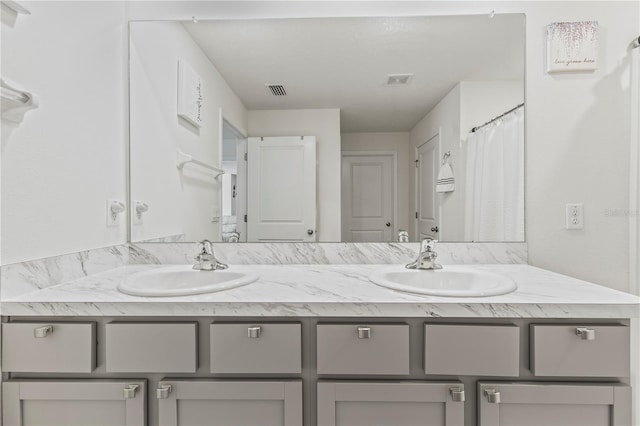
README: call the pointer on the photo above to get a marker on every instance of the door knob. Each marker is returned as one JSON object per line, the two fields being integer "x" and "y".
{"x": 435, "y": 229}
{"x": 388, "y": 224}
{"x": 309, "y": 231}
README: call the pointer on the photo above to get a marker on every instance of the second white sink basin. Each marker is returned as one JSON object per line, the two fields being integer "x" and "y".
{"x": 456, "y": 281}
{"x": 182, "y": 280}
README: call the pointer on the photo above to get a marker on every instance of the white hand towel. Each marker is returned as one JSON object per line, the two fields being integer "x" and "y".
{"x": 445, "y": 182}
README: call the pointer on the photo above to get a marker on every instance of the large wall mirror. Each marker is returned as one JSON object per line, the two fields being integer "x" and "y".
{"x": 328, "y": 129}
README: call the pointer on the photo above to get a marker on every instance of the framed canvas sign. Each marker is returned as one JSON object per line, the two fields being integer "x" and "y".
{"x": 572, "y": 46}
{"x": 189, "y": 94}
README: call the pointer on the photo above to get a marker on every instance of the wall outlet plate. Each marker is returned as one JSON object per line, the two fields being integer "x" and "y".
{"x": 574, "y": 216}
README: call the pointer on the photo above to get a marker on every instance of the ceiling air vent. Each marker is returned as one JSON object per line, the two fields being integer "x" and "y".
{"x": 277, "y": 89}
{"x": 398, "y": 79}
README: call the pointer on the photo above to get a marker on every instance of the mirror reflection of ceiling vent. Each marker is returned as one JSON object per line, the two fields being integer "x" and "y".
{"x": 398, "y": 79}
{"x": 277, "y": 89}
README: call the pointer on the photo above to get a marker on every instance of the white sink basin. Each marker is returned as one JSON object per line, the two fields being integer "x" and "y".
{"x": 457, "y": 281}
{"x": 182, "y": 280}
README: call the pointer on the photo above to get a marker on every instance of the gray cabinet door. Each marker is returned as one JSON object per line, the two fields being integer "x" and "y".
{"x": 74, "y": 403}
{"x": 230, "y": 403}
{"x": 534, "y": 404}
{"x": 391, "y": 403}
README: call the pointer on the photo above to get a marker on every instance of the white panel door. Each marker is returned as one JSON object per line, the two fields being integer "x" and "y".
{"x": 367, "y": 198}
{"x": 427, "y": 201}
{"x": 281, "y": 199}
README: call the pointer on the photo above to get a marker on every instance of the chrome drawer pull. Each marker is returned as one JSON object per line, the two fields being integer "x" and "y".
{"x": 254, "y": 332}
{"x": 163, "y": 392}
{"x": 457, "y": 394}
{"x": 364, "y": 332}
{"x": 586, "y": 333}
{"x": 493, "y": 396}
{"x": 129, "y": 391}
{"x": 41, "y": 332}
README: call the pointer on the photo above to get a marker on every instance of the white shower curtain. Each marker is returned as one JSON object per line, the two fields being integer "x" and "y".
{"x": 494, "y": 184}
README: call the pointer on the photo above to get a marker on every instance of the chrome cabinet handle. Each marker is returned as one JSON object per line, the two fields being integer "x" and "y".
{"x": 163, "y": 392}
{"x": 586, "y": 333}
{"x": 254, "y": 332}
{"x": 457, "y": 394}
{"x": 129, "y": 391}
{"x": 493, "y": 396}
{"x": 41, "y": 332}
{"x": 364, "y": 332}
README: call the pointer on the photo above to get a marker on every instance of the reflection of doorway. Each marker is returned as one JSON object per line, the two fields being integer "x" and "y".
{"x": 281, "y": 203}
{"x": 234, "y": 183}
{"x": 427, "y": 214}
{"x": 368, "y": 196}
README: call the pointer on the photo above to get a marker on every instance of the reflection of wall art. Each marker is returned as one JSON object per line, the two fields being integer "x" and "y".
{"x": 189, "y": 94}
{"x": 572, "y": 46}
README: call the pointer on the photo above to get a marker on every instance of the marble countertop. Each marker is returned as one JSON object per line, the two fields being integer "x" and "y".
{"x": 329, "y": 291}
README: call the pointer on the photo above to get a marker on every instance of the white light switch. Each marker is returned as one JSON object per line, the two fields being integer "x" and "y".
{"x": 574, "y": 216}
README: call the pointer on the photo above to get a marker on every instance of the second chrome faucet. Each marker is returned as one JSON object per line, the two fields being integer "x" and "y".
{"x": 426, "y": 257}
{"x": 206, "y": 259}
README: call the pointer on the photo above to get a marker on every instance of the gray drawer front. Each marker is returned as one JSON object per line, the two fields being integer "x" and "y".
{"x": 342, "y": 351}
{"x": 556, "y": 350}
{"x": 273, "y": 349}
{"x": 475, "y": 350}
{"x": 151, "y": 347}
{"x": 66, "y": 348}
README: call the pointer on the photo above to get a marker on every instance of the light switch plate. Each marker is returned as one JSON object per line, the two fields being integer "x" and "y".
{"x": 574, "y": 216}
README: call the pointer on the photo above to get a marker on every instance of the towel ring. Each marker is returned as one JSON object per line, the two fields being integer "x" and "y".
{"x": 445, "y": 157}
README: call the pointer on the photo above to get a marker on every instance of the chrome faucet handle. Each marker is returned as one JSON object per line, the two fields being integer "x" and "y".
{"x": 206, "y": 247}
{"x": 428, "y": 244}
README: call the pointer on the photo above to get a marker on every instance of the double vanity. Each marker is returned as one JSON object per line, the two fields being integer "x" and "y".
{"x": 324, "y": 344}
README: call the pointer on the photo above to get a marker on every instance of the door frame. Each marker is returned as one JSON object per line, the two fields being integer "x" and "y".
{"x": 394, "y": 184}
{"x": 241, "y": 208}
{"x": 416, "y": 179}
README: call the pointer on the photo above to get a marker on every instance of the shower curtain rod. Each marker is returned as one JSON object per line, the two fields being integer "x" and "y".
{"x": 475, "y": 129}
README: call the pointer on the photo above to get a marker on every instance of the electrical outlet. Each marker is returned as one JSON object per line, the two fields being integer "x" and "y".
{"x": 574, "y": 216}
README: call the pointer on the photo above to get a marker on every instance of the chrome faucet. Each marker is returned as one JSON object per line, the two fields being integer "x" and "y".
{"x": 206, "y": 260}
{"x": 403, "y": 236}
{"x": 426, "y": 257}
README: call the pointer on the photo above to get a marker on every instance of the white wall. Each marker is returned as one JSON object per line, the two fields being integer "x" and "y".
{"x": 481, "y": 101}
{"x": 68, "y": 157}
{"x": 324, "y": 124}
{"x": 397, "y": 142}
{"x": 577, "y": 124}
{"x": 180, "y": 202}
{"x": 443, "y": 119}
